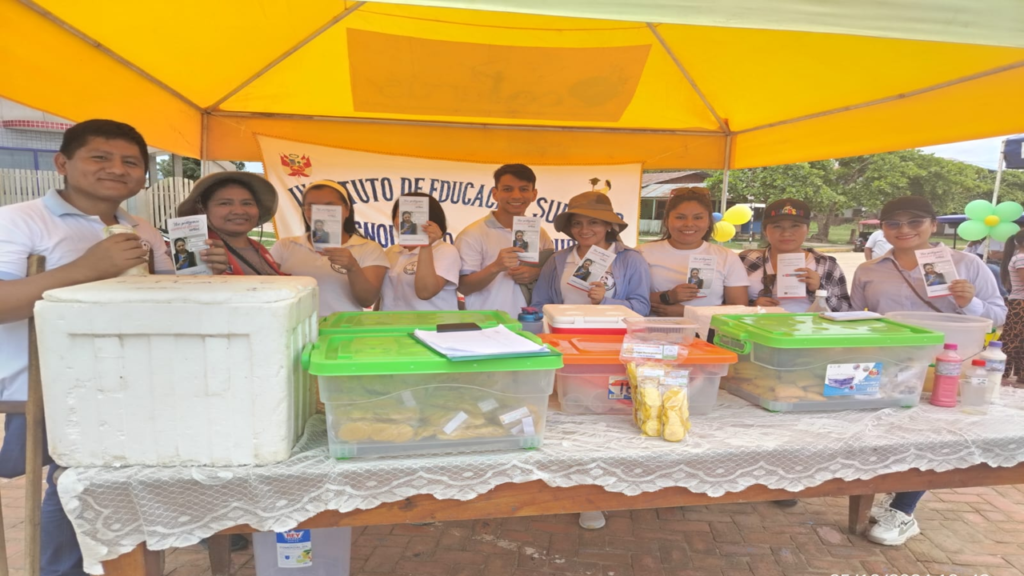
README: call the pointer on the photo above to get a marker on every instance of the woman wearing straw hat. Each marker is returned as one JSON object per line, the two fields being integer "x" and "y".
{"x": 590, "y": 220}
{"x": 235, "y": 203}
{"x": 350, "y": 276}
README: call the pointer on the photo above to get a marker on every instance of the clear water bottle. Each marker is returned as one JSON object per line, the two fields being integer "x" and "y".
{"x": 820, "y": 303}
{"x": 318, "y": 552}
{"x": 995, "y": 363}
{"x": 532, "y": 320}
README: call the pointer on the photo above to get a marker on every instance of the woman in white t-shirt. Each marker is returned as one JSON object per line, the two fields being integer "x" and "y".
{"x": 349, "y": 277}
{"x": 684, "y": 255}
{"x": 421, "y": 279}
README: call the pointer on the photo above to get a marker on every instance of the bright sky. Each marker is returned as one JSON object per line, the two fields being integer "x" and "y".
{"x": 984, "y": 153}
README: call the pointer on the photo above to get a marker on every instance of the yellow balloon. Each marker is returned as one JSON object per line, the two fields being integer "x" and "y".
{"x": 738, "y": 215}
{"x": 992, "y": 220}
{"x": 724, "y": 232}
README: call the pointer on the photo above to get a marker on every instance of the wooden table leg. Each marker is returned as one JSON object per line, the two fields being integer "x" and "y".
{"x": 219, "y": 547}
{"x": 860, "y": 508}
{"x": 140, "y": 561}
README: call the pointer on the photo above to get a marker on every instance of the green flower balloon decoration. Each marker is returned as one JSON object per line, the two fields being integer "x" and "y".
{"x": 984, "y": 219}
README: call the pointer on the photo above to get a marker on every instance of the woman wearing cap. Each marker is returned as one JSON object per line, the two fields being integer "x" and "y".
{"x": 894, "y": 282}
{"x": 591, "y": 221}
{"x": 349, "y": 276}
{"x": 785, "y": 225}
{"x": 422, "y": 277}
{"x": 688, "y": 225}
{"x": 235, "y": 203}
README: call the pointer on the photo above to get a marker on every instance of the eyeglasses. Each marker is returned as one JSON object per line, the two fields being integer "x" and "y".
{"x": 913, "y": 224}
{"x": 768, "y": 285}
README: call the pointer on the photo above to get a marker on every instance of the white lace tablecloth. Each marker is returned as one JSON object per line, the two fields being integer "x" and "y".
{"x": 736, "y": 446}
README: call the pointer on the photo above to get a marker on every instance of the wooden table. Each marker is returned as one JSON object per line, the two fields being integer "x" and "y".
{"x": 536, "y": 498}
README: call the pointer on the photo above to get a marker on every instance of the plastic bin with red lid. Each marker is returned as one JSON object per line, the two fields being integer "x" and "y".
{"x": 593, "y": 379}
{"x": 598, "y": 319}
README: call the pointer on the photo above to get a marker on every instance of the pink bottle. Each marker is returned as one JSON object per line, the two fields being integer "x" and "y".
{"x": 947, "y": 377}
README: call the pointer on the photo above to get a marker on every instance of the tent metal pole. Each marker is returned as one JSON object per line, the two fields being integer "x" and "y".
{"x": 725, "y": 172}
{"x": 525, "y": 127}
{"x": 316, "y": 33}
{"x": 1000, "y": 165}
{"x": 204, "y": 147}
{"x": 110, "y": 53}
{"x": 686, "y": 74}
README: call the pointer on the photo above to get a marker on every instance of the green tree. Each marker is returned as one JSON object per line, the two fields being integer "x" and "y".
{"x": 868, "y": 182}
{"x": 191, "y": 168}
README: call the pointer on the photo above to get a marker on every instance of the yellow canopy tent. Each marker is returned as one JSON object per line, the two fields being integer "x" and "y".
{"x": 673, "y": 84}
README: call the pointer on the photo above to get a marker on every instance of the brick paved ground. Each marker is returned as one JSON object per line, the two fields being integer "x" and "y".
{"x": 968, "y": 531}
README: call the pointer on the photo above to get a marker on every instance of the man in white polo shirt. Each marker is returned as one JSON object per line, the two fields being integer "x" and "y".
{"x": 104, "y": 164}
{"x": 492, "y": 277}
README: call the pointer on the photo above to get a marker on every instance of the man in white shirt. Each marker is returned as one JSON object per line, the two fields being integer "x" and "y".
{"x": 104, "y": 164}
{"x": 492, "y": 277}
{"x": 876, "y": 245}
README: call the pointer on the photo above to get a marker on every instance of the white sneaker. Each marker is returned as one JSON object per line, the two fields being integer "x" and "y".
{"x": 880, "y": 506}
{"x": 592, "y": 520}
{"x": 893, "y": 528}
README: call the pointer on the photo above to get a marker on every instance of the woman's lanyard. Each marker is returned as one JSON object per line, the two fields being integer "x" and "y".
{"x": 237, "y": 255}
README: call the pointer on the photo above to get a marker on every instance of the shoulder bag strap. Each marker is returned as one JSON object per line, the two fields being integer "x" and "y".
{"x": 912, "y": 289}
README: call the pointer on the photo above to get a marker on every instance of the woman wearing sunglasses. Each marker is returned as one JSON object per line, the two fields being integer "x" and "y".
{"x": 785, "y": 225}
{"x": 894, "y": 282}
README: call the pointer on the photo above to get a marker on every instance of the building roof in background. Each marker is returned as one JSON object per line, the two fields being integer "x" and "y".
{"x": 666, "y": 177}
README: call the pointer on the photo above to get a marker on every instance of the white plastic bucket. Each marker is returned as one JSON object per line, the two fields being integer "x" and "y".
{"x": 967, "y": 332}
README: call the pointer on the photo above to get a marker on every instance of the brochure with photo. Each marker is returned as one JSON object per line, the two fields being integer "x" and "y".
{"x": 787, "y": 284}
{"x": 937, "y": 270}
{"x": 188, "y": 238}
{"x": 526, "y": 235}
{"x": 413, "y": 213}
{"x": 701, "y": 271}
{"x": 591, "y": 268}
{"x": 325, "y": 228}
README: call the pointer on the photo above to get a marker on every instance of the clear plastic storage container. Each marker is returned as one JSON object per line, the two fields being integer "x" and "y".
{"x": 803, "y": 362}
{"x": 670, "y": 330}
{"x": 594, "y": 381}
{"x": 388, "y": 394}
{"x": 405, "y": 322}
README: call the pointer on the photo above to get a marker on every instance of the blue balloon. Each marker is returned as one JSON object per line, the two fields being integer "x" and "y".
{"x": 716, "y": 216}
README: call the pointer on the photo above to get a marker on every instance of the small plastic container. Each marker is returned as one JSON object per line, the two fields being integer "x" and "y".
{"x": 667, "y": 330}
{"x": 803, "y": 362}
{"x": 389, "y": 395}
{"x": 976, "y": 388}
{"x": 587, "y": 319}
{"x": 318, "y": 552}
{"x": 967, "y": 332}
{"x": 594, "y": 380}
{"x": 406, "y": 321}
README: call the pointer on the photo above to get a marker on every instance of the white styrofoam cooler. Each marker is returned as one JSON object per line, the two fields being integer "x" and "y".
{"x": 587, "y": 319}
{"x": 168, "y": 371}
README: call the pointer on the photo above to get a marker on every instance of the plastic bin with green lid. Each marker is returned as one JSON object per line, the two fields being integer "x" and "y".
{"x": 387, "y": 394}
{"x": 803, "y": 362}
{"x": 406, "y": 321}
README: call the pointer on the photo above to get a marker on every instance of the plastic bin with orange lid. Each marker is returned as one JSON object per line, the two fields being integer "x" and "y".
{"x": 593, "y": 379}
